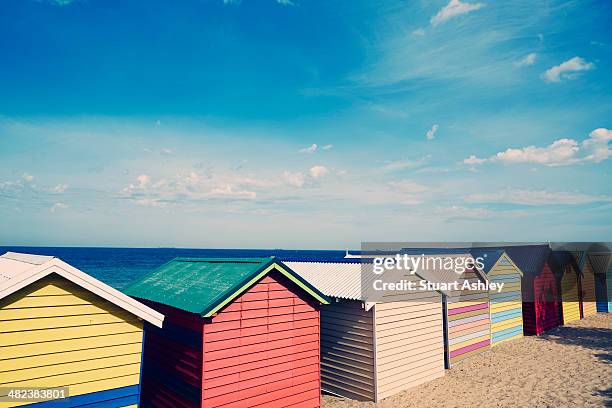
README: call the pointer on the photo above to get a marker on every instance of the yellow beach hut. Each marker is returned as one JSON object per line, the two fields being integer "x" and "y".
{"x": 60, "y": 327}
{"x": 507, "y": 302}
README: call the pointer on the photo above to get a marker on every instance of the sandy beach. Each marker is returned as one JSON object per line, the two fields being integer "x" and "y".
{"x": 569, "y": 366}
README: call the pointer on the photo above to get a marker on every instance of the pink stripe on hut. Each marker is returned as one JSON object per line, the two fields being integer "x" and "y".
{"x": 467, "y": 308}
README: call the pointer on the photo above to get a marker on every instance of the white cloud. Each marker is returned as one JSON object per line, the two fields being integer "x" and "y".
{"x": 327, "y": 147}
{"x": 60, "y": 188}
{"x": 419, "y": 32}
{"x": 294, "y": 179}
{"x": 536, "y": 197}
{"x": 61, "y": 3}
{"x": 28, "y": 178}
{"x": 528, "y": 60}
{"x": 409, "y": 186}
{"x": 166, "y": 152}
{"x": 58, "y": 206}
{"x": 285, "y": 2}
{"x": 454, "y": 8}
{"x": 561, "y": 152}
{"x": 318, "y": 171}
{"x": 310, "y": 149}
{"x": 460, "y": 212}
{"x": 473, "y": 160}
{"x": 143, "y": 180}
{"x": 406, "y": 164}
{"x": 232, "y": 192}
{"x": 431, "y": 133}
{"x": 567, "y": 70}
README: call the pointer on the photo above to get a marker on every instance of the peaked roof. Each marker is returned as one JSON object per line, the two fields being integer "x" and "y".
{"x": 20, "y": 270}
{"x": 205, "y": 285}
{"x": 529, "y": 258}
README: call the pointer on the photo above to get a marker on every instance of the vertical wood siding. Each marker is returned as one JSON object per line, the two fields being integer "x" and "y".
{"x": 54, "y": 333}
{"x": 409, "y": 343}
{"x": 570, "y": 295}
{"x": 263, "y": 349}
{"x": 589, "y": 306}
{"x": 506, "y": 306}
{"x": 468, "y": 322}
{"x": 541, "y": 302}
{"x": 347, "y": 350}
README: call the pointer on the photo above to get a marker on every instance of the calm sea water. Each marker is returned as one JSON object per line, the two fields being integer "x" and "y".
{"x": 120, "y": 266}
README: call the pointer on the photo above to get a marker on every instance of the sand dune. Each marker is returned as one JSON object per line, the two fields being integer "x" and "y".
{"x": 569, "y": 366}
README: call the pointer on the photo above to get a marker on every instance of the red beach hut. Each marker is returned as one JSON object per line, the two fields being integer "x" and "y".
{"x": 541, "y": 304}
{"x": 238, "y": 333}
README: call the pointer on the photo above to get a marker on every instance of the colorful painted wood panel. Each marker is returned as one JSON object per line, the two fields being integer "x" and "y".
{"x": 409, "y": 343}
{"x": 263, "y": 349}
{"x": 589, "y": 299}
{"x": 570, "y": 294}
{"x": 506, "y": 306}
{"x": 260, "y": 350}
{"x": 468, "y": 322}
{"x": 541, "y": 305}
{"x": 54, "y": 333}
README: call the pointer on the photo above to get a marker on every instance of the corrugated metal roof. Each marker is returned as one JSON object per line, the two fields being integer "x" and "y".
{"x": 202, "y": 285}
{"x": 601, "y": 262}
{"x": 336, "y": 279}
{"x": 349, "y": 280}
{"x": 17, "y": 271}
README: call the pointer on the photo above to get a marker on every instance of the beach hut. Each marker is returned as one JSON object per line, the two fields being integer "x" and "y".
{"x": 60, "y": 327}
{"x": 467, "y": 319}
{"x": 567, "y": 271}
{"x": 601, "y": 263}
{"x": 506, "y": 305}
{"x": 539, "y": 290}
{"x": 587, "y": 284}
{"x": 240, "y": 332}
{"x": 374, "y": 347}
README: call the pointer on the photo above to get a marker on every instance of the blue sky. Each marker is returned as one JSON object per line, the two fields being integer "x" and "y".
{"x": 304, "y": 124}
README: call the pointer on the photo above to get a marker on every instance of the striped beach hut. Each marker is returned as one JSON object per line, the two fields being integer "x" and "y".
{"x": 539, "y": 289}
{"x": 60, "y": 327}
{"x": 466, "y": 312}
{"x": 239, "y": 332}
{"x": 506, "y": 305}
{"x": 372, "y": 348}
{"x": 467, "y": 319}
{"x": 601, "y": 263}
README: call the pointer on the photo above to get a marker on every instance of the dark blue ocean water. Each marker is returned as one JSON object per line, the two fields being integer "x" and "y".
{"x": 120, "y": 266}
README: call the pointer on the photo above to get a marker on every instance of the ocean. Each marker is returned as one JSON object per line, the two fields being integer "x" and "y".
{"x": 120, "y": 266}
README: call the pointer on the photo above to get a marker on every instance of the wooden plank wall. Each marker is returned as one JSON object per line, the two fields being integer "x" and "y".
{"x": 263, "y": 349}
{"x": 468, "y": 322}
{"x": 570, "y": 295}
{"x": 347, "y": 350}
{"x": 540, "y": 302}
{"x": 409, "y": 343}
{"x": 506, "y": 306}
{"x": 172, "y": 366}
{"x": 589, "y": 305}
{"x": 54, "y": 333}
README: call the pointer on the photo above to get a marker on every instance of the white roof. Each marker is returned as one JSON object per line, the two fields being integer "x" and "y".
{"x": 20, "y": 270}
{"x": 336, "y": 279}
{"x": 345, "y": 280}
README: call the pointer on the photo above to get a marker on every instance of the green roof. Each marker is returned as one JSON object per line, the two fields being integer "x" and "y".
{"x": 205, "y": 285}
